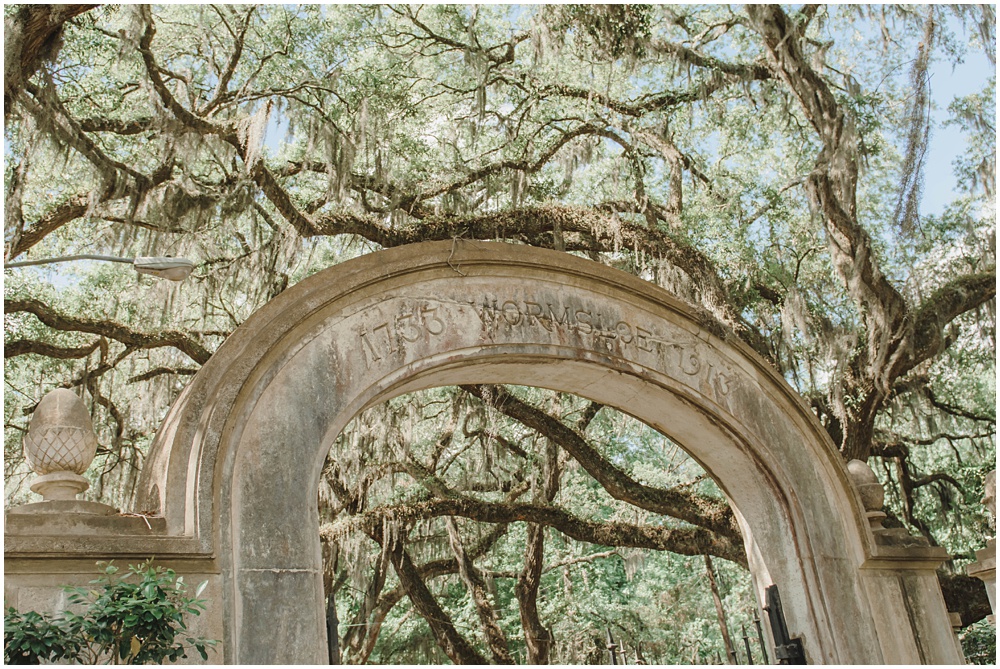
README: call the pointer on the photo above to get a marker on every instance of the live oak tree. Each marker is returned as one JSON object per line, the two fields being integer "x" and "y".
{"x": 473, "y": 455}
{"x": 762, "y": 163}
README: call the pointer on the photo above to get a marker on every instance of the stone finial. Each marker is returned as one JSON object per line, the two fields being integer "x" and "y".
{"x": 871, "y": 491}
{"x": 60, "y": 445}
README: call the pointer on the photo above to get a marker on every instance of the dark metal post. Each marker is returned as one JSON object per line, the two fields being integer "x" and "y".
{"x": 746, "y": 643}
{"x": 760, "y": 637}
{"x": 611, "y": 648}
{"x": 786, "y": 649}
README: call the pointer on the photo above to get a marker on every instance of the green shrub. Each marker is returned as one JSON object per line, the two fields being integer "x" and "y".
{"x": 33, "y": 638}
{"x": 138, "y": 619}
{"x": 979, "y": 643}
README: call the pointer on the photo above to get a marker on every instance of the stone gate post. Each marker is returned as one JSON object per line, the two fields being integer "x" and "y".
{"x": 985, "y": 566}
{"x": 901, "y": 575}
{"x": 57, "y": 542}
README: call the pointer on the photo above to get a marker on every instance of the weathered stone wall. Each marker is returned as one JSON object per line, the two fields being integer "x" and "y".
{"x": 51, "y": 545}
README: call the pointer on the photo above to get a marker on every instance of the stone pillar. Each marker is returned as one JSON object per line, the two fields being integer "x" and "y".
{"x": 58, "y": 541}
{"x": 901, "y": 575}
{"x": 985, "y": 566}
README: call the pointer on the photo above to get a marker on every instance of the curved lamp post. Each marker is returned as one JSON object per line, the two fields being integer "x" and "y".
{"x": 172, "y": 269}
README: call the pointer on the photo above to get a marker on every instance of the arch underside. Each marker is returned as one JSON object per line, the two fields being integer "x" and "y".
{"x": 238, "y": 460}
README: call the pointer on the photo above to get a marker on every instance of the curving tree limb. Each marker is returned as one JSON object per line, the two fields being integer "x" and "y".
{"x": 684, "y": 541}
{"x": 706, "y": 512}
{"x": 31, "y": 36}
{"x": 109, "y": 329}
{"x": 897, "y": 337}
{"x": 537, "y": 637}
{"x": 476, "y": 585}
{"x": 33, "y": 347}
{"x": 943, "y": 306}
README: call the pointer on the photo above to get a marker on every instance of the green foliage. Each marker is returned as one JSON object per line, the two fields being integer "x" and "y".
{"x": 615, "y": 30}
{"x": 139, "y": 619}
{"x": 33, "y": 638}
{"x": 979, "y": 643}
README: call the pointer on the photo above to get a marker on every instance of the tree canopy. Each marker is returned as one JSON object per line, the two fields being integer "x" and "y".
{"x": 765, "y": 164}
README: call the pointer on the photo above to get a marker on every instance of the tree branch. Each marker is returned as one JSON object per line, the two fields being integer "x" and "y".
{"x": 429, "y": 570}
{"x": 30, "y": 346}
{"x": 70, "y": 210}
{"x": 653, "y": 103}
{"x": 50, "y": 107}
{"x": 31, "y": 36}
{"x": 947, "y": 303}
{"x": 755, "y": 71}
{"x": 109, "y": 329}
{"x": 169, "y": 101}
{"x": 957, "y": 411}
{"x": 358, "y": 629}
{"x": 706, "y": 512}
{"x": 537, "y": 637}
{"x": 696, "y": 541}
{"x": 117, "y": 126}
{"x": 223, "y": 86}
{"x": 412, "y": 579}
{"x": 159, "y": 371}
{"x": 78, "y": 206}
{"x": 474, "y": 583}
{"x": 832, "y": 186}
{"x": 455, "y": 646}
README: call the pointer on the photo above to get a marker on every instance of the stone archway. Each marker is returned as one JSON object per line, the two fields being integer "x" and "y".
{"x": 236, "y": 465}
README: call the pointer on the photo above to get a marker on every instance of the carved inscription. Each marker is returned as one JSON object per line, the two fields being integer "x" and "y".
{"x": 605, "y": 334}
{"x": 561, "y": 317}
{"x": 575, "y": 323}
{"x": 388, "y": 337}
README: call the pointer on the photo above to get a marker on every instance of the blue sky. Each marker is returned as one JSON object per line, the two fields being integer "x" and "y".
{"x": 947, "y": 143}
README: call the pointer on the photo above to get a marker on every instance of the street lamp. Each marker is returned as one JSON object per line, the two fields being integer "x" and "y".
{"x": 172, "y": 269}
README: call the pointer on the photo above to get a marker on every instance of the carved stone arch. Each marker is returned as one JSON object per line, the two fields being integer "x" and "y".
{"x": 236, "y": 464}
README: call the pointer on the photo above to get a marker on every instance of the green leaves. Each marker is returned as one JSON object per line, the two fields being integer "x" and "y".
{"x": 979, "y": 643}
{"x": 615, "y": 30}
{"x": 33, "y": 638}
{"x": 135, "y": 620}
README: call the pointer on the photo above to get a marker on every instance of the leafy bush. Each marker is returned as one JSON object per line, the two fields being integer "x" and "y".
{"x": 127, "y": 620}
{"x": 33, "y": 638}
{"x": 979, "y": 643}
